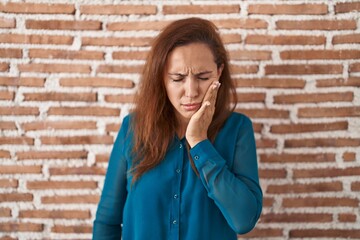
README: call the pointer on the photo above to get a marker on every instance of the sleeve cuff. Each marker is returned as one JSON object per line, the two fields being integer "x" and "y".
{"x": 204, "y": 152}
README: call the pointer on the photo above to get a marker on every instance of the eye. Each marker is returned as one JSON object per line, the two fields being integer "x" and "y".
{"x": 203, "y": 78}
{"x": 177, "y": 79}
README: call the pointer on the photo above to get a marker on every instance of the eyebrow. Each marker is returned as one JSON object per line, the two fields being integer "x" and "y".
{"x": 183, "y": 75}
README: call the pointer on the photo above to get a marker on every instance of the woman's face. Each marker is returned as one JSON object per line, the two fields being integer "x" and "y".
{"x": 189, "y": 72}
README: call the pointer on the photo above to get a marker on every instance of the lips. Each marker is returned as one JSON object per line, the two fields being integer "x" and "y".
{"x": 191, "y": 106}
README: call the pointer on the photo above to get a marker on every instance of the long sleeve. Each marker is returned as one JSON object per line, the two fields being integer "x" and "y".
{"x": 109, "y": 215}
{"x": 235, "y": 191}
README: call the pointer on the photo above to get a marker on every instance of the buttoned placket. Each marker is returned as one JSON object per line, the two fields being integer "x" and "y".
{"x": 175, "y": 198}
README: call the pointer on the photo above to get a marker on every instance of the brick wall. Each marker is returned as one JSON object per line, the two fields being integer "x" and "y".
{"x": 68, "y": 72}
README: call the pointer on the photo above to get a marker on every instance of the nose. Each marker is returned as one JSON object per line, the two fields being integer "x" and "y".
{"x": 191, "y": 87}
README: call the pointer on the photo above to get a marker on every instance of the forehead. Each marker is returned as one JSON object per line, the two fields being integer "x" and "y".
{"x": 196, "y": 56}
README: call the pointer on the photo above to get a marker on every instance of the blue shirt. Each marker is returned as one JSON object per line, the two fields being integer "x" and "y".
{"x": 171, "y": 202}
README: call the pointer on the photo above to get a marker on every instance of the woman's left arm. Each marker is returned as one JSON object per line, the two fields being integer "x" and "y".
{"x": 235, "y": 191}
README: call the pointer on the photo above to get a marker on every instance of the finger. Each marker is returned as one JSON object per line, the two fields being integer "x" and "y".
{"x": 210, "y": 91}
{"x": 202, "y": 110}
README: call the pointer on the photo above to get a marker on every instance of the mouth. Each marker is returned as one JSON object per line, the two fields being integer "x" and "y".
{"x": 191, "y": 106}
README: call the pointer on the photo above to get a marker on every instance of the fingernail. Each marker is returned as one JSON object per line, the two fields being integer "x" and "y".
{"x": 207, "y": 103}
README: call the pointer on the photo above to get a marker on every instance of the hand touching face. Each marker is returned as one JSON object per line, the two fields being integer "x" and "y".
{"x": 190, "y": 71}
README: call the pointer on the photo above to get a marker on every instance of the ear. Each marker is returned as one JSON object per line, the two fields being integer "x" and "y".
{"x": 219, "y": 71}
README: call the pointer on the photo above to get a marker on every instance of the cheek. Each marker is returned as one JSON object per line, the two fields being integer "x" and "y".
{"x": 204, "y": 86}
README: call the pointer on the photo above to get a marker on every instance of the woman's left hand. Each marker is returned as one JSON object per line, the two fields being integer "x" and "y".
{"x": 199, "y": 123}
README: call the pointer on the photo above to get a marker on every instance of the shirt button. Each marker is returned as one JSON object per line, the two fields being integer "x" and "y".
{"x": 174, "y": 222}
{"x": 175, "y": 196}
{"x": 180, "y": 146}
{"x": 178, "y": 170}
{"x": 196, "y": 157}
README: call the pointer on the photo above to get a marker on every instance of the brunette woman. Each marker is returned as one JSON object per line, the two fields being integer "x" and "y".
{"x": 183, "y": 165}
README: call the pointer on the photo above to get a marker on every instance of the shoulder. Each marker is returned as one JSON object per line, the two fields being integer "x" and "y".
{"x": 238, "y": 120}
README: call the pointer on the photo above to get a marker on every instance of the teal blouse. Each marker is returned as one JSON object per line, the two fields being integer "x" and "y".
{"x": 171, "y": 201}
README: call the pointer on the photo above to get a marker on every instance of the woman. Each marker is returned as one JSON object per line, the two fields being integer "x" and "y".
{"x": 183, "y": 165}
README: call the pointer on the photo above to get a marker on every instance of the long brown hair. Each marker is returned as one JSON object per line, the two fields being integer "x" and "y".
{"x": 154, "y": 123}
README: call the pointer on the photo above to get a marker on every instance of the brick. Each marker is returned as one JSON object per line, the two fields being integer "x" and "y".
{"x": 120, "y": 69}
{"x": 355, "y": 186}
{"x": 17, "y": 140}
{"x": 314, "y": 97}
{"x": 251, "y": 97}
{"x": 37, "y": 8}
{"x": 347, "y": 217}
{"x": 258, "y": 127}
{"x": 329, "y": 112}
{"x": 272, "y": 173}
{"x": 296, "y": 69}
{"x": 84, "y": 111}
{"x": 4, "y": 154}
{"x": 4, "y": 67}
{"x": 42, "y": 185}
{"x": 97, "y": 82}
{"x": 63, "y": 25}
{"x": 200, "y": 9}
{"x": 339, "y": 82}
{"x": 284, "y": 40}
{"x": 49, "y": 125}
{"x": 64, "y": 54}
{"x": 325, "y": 25}
{"x": 266, "y": 143}
{"x": 137, "y": 26}
{"x": 320, "y": 54}
{"x": 21, "y": 227}
{"x": 231, "y": 38}
{"x": 60, "y": 96}
{"x": 6, "y": 95}
{"x": 325, "y": 233}
{"x": 297, "y": 158}
{"x": 102, "y": 158}
{"x": 243, "y": 69}
{"x": 288, "y": 9}
{"x": 19, "y": 110}
{"x": 123, "y": 98}
{"x": 116, "y": 41}
{"x": 54, "y": 68}
{"x": 346, "y": 38}
{"x": 268, "y": 202}
{"x": 7, "y": 22}
{"x": 244, "y": 23}
{"x": 16, "y": 169}
{"x": 55, "y": 214}
{"x": 7, "y": 125}
{"x": 9, "y": 183}
{"x": 328, "y": 172}
{"x": 349, "y": 156}
{"x": 333, "y": 186}
{"x": 271, "y": 82}
{"x": 6, "y": 237}
{"x": 133, "y": 55}
{"x": 77, "y": 171}
{"x": 346, "y": 7}
{"x": 355, "y": 67}
{"x": 10, "y": 53}
{"x": 296, "y": 217}
{"x": 70, "y": 199}
{"x": 264, "y": 233}
{"x": 319, "y": 202}
{"x": 308, "y": 127}
{"x": 72, "y": 229}
{"x": 113, "y": 127}
{"x": 36, "y": 39}
{"x": 77, "y": 140}
{"x": 322, "y": 142}
{"x": 249, "y": 55}
{"x": 5, "y": 212}
{"x": 16, "y": 197}
{"x": 264, "y": 113}
{"x": 22, "y": 81}
{"x": 118, "y": 9}
{"x": 51, "y": 155}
